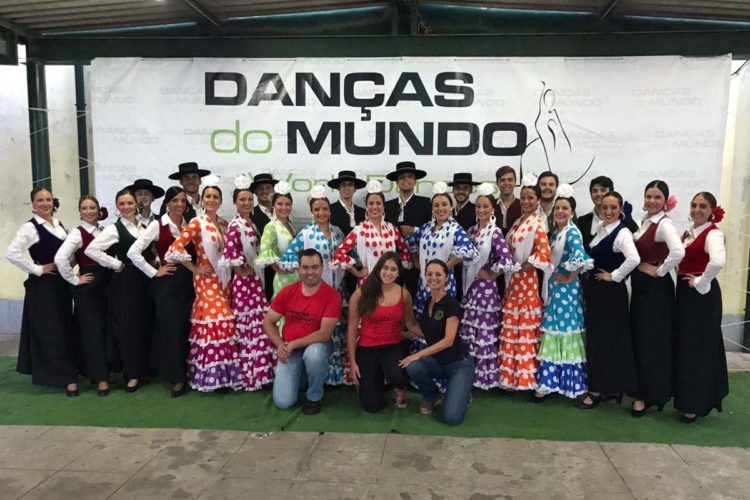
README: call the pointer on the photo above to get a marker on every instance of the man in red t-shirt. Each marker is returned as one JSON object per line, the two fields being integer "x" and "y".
{"x": 311, "y": 310}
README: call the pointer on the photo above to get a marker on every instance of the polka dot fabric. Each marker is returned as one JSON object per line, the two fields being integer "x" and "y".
{"x": 365, "y": 244}
{"x": 274, "y": 242}
{"x": 482, "y": 308}
{"x": 522, "y": 306}
{"x": 562, "y": 357}
{"x": 257, "y": 354}
{"x": 450, "y": 240}
{"x": 213, "y": 359}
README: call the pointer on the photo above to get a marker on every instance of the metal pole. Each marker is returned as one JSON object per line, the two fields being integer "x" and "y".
{"x": 83, "y": 163}
{"x": 39, "y": 138}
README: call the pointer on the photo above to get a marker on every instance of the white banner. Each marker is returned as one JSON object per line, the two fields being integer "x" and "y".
{"x": 633, "y": 119}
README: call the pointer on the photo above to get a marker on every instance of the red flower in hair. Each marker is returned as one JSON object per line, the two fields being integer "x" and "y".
{"x": 718, "y": 213}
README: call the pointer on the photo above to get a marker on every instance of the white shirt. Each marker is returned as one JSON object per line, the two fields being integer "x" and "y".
{"x": 65, "y": 257}
{"x": 623, "y": 244}
{"x": 268, "y": 213}
{"x": 26, "y": 237}
{"x": 145, "y": 221}
{"x": 717, "y": 255}
{"x": 350, "y": 213}
{"x": 544, "y": 215}
{"x": 97, "y": 250}
{"x": 596, "y": 221}
{"x": 147, "y": 237}
{"x": 665, "y": 233}
{"x": 195, "y": 203}
{"x": 402, "y": 205}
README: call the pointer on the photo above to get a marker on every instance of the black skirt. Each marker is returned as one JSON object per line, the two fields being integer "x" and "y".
{"x": 652, "y": 309}
{"x": 90, "y": 315}
{"x": 173, "y": 298}
{"x": 609, "y": 346}
{"x": 130, "y": 322}
{"x": 700, "y": 363}
{"x": 48, "y": 347}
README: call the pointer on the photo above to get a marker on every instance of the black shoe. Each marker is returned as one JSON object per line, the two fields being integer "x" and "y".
{"x": 103, "y": 392}
{"x": 536, "y": 398}
{"x": 638, "y": 413}
{"x": 688, "y": 420}
{"x": 71, "y": 393}
{"x": 311, "y": 407}
{"x": 179, "y": 392}
{"x": 595, "y": 400}
{"x": 609, "y": 397}
{"x": 132, "y": 389}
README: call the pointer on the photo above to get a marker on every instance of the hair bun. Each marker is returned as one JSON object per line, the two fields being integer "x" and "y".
{"x": 103, "y": 213}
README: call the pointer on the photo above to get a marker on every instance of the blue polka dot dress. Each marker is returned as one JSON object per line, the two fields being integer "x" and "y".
{"x": 450, "y": 240}
{"x": 562, "y": 356}
{"x": 314, "y": 237}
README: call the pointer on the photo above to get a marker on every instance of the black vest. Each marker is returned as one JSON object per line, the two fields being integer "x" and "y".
{"x": 43, "y": 251}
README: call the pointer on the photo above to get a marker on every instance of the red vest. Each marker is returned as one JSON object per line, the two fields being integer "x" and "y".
{"x": 82, "y": 259}
{"x": 164, "y": 241}
{"x": 696, "y": 259}
{"x": 650, "y": 250}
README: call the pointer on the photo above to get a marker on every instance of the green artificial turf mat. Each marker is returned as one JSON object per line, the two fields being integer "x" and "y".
{"x": 491, "y": 414}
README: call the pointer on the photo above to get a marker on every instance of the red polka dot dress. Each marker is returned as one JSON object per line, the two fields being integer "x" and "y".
{"x": 365, "y": 244}
{"x": 213, "y": 360}
{"x": 520, "y": 335}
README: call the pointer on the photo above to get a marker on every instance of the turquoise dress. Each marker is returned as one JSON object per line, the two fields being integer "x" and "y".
{"x": 313, "y": 237}
{"x": 562, "y": 356}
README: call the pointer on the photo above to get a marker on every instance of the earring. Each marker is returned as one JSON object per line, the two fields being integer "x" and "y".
{"x": 493, "y": 219}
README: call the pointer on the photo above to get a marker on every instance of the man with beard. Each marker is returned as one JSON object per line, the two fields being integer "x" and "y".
{"x": 547, "y": 182}
{"x": 189, "y": 176}
{"x": 464, "y": 211}
{"x": 262, "y": 188}
{"x": 311, "y": 309}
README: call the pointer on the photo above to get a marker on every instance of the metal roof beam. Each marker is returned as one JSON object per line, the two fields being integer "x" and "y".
{"x": 17, "y": 29}
{"x": 608, "y": 10}
{"x": 204, "y": 12}
{"x": 66, "y": 50}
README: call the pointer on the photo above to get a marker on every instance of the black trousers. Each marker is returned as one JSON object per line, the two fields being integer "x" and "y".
{"x": 378, "y": 363}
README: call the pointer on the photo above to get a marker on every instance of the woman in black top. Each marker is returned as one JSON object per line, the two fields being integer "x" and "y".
{"x": 445, "y": 355}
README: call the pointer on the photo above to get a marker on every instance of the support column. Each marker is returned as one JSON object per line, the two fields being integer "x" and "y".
{"x": 38, "y": 125}
{"x": 83, "y": 153}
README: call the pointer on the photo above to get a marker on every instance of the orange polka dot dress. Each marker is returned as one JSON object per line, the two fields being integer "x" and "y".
{"x": 213, "y": 359}
{"x": 520, "y": 335}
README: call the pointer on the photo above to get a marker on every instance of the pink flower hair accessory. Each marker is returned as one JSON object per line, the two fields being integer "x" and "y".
{"x": 671, "y": 203}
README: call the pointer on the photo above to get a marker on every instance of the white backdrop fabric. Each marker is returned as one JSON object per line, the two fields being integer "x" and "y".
{"x": 633, "y": 119}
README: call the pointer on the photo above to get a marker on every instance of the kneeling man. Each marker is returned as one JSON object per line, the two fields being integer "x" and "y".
{"x": 311, "y": 309}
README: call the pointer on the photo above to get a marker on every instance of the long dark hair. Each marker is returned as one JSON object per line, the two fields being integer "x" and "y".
{"x": 372, "y": 291}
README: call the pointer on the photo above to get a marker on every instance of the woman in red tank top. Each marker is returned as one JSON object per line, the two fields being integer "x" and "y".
{"x": 375, "y": 343}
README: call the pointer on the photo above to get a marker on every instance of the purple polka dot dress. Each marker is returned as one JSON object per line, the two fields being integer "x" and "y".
{"x": 256, "y": 352}
{"x": 482, "y": 306}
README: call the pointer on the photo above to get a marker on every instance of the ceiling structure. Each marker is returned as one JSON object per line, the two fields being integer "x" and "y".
{"x": 40, "y": 18}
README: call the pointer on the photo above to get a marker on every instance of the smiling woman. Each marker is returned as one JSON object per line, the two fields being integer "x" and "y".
{"x": 47, "y": 341}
